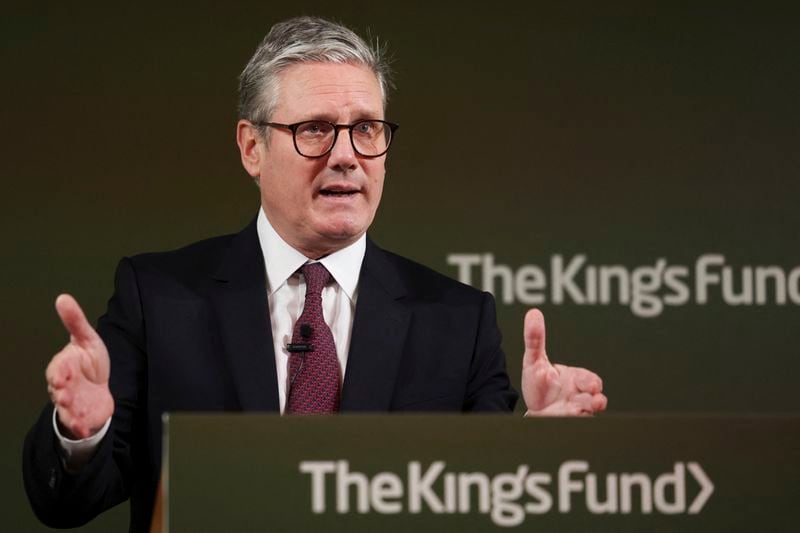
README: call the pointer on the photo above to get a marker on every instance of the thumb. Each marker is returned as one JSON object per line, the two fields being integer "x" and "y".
{"x": 74, "y": 320}
{"x": 534, "y": 334}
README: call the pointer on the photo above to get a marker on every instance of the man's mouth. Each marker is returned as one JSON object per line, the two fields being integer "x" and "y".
{"x": 338, "y": 192}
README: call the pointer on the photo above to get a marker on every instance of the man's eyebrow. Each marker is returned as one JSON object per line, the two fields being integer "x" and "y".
{"x": 330, "y": 117}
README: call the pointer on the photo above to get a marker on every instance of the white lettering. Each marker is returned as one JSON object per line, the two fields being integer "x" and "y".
{"x": 677, "y": 480}
{"x": 704, "y": 278}
{"x": 745, "y": 297}
{"x": 645, "y": 289}
{"x": 346, "y": 479}
{"x": 464, "y": 262}
{"x": 645, "y": 282}
{"x": 793, "y": 283}
{"x": 450, "y": 495}
{"x": 492, "y": 271}
{"x": 593, "y": 503}
{"x": 607, "y": 273}
{"x": 567, "y": 485}
{"x": 672, "y": 279}
{"x": 626, "y": 484}
{"x": 506, "y": 490}
{"x": 317, "y": 469}
{"x": 420, "y": 487}
{"x": 544, "y": 501}
{"x": 706, "y": 488}
{"x": 384, "y": 487}
{"x": 506, "y": 497}
{"x": 563, "y": 279}
{"x": 777, "y": 274}
{"x": 476, "y": 479}
{"x": 528, "y": 282}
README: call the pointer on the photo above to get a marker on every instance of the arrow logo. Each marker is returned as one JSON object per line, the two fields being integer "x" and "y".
{"x": 706, "y": 487}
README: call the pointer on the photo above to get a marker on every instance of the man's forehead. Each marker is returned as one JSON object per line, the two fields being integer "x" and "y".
{"x": 315, "y": 87}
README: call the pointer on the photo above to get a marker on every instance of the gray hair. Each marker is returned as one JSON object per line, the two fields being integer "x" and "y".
{"x": 299, "y": 40}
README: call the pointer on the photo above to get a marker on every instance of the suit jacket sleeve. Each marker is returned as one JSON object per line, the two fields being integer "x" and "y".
{"x": 488, "y": 388}
{"x": 64, "y": 499}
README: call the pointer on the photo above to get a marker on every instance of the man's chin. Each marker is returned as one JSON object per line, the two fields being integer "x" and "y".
{"x": 328, "y": 240}
{"x": 342, "y": 228}
{"x": 342, "y": 237}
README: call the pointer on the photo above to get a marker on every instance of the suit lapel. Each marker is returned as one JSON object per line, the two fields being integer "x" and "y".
{"x": 379, "y": 332}
{"x": 240, "y": 299}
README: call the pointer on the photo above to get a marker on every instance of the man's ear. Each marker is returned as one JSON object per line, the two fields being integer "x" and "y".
{"x": 248, "y": 139}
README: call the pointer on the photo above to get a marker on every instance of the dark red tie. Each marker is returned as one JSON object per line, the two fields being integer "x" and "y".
{"x": 314, "y": 375}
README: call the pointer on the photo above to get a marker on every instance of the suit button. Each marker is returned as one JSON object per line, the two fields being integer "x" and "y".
{"x": 52, "y": 481}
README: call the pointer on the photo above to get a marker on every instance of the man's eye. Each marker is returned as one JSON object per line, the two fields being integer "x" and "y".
{"x": 311, "y": 129}
{"x": 367, "y": 128}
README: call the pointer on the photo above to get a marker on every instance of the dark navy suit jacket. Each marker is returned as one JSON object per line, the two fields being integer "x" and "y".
{"x": 189, "y": 330}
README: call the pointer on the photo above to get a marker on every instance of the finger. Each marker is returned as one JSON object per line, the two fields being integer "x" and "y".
{"x": 581, "y": 403}
{"x": 534, "y": 334}
{"x": 599, "y": 402}
{"x": 559, "y": 408}
{"x": 80, "y": 430}
{"x": 74, "y": 320}
{"x": 63, "y": 398}
{"x": 59, "y": 371}
{"x": 588, "y": 381}
{"x": 71, "y": 427}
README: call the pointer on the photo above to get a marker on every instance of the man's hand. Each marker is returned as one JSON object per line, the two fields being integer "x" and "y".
{"x": 555, "y": 390}
{"x": 77, "y": 376}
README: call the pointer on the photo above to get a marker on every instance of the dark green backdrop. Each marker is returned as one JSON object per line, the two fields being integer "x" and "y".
{"x": 627, "y": 133}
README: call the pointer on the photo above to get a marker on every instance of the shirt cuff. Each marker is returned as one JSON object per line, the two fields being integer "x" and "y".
{"x": 77, "y": 453}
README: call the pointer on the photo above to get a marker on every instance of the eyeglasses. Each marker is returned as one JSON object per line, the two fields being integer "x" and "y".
{"x": 316, "y": 138}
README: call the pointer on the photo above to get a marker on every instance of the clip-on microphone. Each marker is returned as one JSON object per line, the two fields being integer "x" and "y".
{"x": 301, "y": 347}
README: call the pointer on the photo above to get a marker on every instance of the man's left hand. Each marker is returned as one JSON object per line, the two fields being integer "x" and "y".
{"x": 555, "y": 390}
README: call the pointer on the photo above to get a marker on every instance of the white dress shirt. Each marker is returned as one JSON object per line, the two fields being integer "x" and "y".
{"x": 286, "y": 291}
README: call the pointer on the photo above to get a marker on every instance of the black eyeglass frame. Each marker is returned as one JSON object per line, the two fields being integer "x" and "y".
{"x": 336, "y": 127}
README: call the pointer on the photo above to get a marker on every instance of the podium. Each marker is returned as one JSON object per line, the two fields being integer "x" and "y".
{"x": 401, "y": 473}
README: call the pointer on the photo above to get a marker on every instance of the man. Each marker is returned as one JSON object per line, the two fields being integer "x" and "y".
{"x": 298, "y": 313}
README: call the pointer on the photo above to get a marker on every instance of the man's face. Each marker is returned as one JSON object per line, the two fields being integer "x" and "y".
{"x": 321, "y": 205}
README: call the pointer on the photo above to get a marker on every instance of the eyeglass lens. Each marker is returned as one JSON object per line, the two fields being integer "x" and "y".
{"x": 370, "y": 137}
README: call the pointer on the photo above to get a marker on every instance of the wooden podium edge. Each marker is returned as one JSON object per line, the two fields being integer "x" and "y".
{"x": 156, "y": 524}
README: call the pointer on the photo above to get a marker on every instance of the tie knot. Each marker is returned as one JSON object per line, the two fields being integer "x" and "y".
{"x": 317, "y": 276}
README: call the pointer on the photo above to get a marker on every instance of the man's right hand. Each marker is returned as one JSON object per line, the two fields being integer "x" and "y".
{"x": 77, "y": 376}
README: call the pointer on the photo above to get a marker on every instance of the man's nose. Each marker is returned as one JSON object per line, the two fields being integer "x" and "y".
{"x": 342, "y": 155}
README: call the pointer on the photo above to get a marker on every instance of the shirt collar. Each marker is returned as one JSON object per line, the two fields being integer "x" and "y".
{"x": 282, "y": 260}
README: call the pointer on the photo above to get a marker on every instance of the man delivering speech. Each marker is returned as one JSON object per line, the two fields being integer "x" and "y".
{"x": 298, "y": 313}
